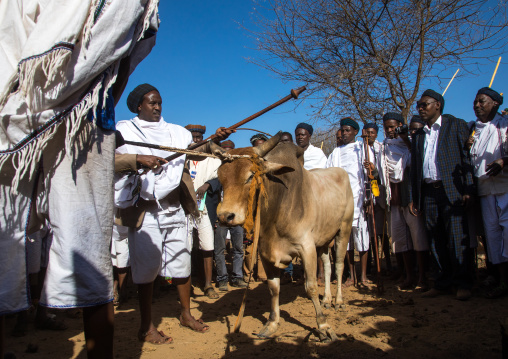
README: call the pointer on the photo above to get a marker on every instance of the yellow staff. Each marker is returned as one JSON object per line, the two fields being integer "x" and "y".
{"x": 449, "y": 83}
{"x": 494, "y": 74}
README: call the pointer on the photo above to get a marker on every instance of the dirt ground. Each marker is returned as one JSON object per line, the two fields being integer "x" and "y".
{"x": 398, "y": 324}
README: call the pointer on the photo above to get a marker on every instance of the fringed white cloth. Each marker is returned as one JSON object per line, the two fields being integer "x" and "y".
{"x": 57, "y": 59}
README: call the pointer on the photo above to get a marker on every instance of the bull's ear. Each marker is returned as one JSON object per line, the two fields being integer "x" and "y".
{"x": 277, "y": 168}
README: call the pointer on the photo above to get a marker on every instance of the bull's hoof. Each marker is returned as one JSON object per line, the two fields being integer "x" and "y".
{"x": 327, "y": 335}
{"x": 327, "y": 305}
{"x": 268, "y": 330}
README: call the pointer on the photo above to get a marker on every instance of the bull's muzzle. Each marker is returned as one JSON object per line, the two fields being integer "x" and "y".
{"x": 226, "y": 218}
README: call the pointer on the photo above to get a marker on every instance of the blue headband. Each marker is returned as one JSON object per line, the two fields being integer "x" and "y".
{"x": 371, "y": 125}
{"x": 393, "y": 116}
{"x": 436, "y": 96}
{"x": 350, "y": 122}
{"x": 492, "y": 94}
{"x": 305, "y": 126}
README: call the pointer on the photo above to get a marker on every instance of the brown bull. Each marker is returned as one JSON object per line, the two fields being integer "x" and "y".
{"x": 305, "y": 210}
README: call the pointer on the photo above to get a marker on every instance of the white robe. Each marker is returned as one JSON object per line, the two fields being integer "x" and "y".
{"x": 155, "y": 185}
{"x": 350, "y": 157}
{"x": 313, "y": 157}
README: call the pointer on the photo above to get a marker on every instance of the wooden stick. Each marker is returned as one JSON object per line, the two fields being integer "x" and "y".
{"x": 449, "y": 83}
{"x": 293, "y": 95}
{"x": 494, "y": 74}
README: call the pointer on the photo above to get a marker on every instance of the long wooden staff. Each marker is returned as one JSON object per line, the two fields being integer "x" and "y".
{"x": 293, "y": 95}
{"x": 379, "y": 282}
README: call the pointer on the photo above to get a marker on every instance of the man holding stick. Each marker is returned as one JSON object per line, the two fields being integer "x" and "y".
{"x": 158, "y": 242}
{"x": 350, "y": 156}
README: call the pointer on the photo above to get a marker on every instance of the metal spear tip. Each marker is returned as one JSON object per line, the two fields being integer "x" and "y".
{"x": 296, "y": 92}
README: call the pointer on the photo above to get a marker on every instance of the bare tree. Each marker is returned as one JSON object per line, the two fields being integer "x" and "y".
{"x": 361, "y": 58}
{"x": 325, "y": 139}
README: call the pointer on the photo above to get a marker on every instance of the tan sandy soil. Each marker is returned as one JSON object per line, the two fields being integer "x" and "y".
{"x": 399, "y": 324}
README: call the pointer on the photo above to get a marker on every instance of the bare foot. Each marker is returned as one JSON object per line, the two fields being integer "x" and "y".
{"x": 154, "y": 336}
{"x": 196, "y": 325}
{"x": 348, "y": 283}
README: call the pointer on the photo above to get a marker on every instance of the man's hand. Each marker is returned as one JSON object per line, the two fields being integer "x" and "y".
{"x": 148, "y": 161}
{"x": 494, "y": 168}
{"x": 222, "y": 133}
{"x": 413, "y": 210}
{"x": 466, "y": 201}
{"x": 369, "y": 165}
{"x": 200, "y": 192}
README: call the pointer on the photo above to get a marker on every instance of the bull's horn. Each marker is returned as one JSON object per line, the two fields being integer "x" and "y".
{"x": 267, "y": 146}
{"x": 216, "y": 149}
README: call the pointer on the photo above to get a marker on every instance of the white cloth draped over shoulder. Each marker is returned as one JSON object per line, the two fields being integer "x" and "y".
{"x": 58, "y": 60}
{"x": 488, "y": 139}
{"x": 350, "y": 157}
{"x": 155, "y": 185}
{"x": 313, "y": 157}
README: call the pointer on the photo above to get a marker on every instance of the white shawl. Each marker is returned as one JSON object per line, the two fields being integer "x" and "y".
{"x": 313, "y": 157}
{"x": 57, "y": 59}
{"x": 155, "y": 185}
{"x": 488, "y": 139}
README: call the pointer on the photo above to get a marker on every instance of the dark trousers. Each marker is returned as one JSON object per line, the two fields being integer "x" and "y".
{"x": 450, "y": 243}
{"x": 237, "y": 251}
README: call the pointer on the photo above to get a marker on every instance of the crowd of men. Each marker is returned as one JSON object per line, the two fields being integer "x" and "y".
{"x": 432, "y": 175}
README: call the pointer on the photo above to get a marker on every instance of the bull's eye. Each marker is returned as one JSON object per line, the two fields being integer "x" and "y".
{"x": 250, "y": 178}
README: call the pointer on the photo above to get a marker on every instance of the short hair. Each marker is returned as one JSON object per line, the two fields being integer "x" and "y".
{"x": 286, "y": 134}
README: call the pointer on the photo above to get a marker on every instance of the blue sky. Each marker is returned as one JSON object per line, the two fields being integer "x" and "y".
{"x": 199, "y": 66}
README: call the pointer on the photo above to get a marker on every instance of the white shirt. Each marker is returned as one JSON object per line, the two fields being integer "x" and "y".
{"x": 313, "y": 157}
{"x": 430, "y": 170}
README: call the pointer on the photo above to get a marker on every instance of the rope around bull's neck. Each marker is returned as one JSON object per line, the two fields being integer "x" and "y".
{"x": 256, "y": 187}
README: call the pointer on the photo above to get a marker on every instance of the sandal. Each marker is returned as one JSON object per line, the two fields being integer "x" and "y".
{"x": 204, "y": 327}
{"x": 150, "y": 337}
{"x": 50, "y": 324}
{"x": 210, "y": 293}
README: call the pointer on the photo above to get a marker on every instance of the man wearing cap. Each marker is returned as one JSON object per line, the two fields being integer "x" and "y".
{"x": 371, "y": 130}
{"x": 350, "y": 156}
{"x": 201, "y": 173}
{"x": 489, "y": 156}
{"x": 313, "y": 157}
{"x": 407, "y": 227}
{"x": 236, "y": 233}
{"x": 442, "y": 185}
{"x": 150, "y": 207}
